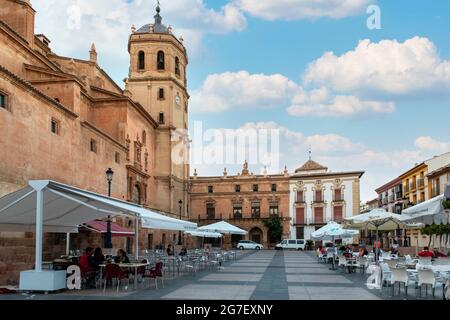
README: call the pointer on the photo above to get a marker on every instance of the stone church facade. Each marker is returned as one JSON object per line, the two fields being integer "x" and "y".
{"x": 65, "y": 119}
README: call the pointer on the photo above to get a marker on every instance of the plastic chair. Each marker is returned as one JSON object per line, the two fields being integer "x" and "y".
{"x": 399, "y": 275}
{"x": 426, "y": 277}
{"x": 342, "y": 262}
{"x": 391, "y": 263}
{"x": 425, "y": 261}
{"x": 113, "y": 271}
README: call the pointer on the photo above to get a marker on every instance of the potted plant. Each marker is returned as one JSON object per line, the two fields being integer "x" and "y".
{"x": 309, "y": 245}
{"x": 446, "y": 205}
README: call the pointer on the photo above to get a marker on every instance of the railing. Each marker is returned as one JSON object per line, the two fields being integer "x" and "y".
{"x": 391, "y": 198}
{"x": 338, "y": 198}
{"x": 318, "y": 200}
{"x": 413, "y": 186}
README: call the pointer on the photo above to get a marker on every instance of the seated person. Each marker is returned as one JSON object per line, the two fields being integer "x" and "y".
{"x": 348, "y": 253}
{"x": 426, "y": 253}
{"x": 98, "y": 258}
{"x": 183, "y": 252}
{"x": 319, "y": 251}
{"x": 363, "y": 252}
{"x": 122, "y": 257}
{"x": 87, "y": 268}
{"x": 170, "y": 250}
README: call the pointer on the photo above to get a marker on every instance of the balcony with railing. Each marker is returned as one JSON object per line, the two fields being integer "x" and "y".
{"x": 391, "y": 198}
{"x": 413, "y": 186}
{"x": 406, "y": 188}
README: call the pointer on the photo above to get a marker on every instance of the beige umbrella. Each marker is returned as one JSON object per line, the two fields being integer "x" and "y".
{"x": 378, "y": 220}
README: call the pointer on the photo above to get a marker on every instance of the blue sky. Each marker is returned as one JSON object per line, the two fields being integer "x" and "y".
{"x": 384, "y": 132}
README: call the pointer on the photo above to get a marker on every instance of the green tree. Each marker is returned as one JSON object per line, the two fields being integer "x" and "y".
{"x": 275, "y": 229}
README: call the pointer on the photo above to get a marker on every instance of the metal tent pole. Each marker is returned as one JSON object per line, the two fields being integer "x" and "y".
{"x": 39, "y": 229}
{"x": 67, "y": 243}
{"x": 136, "y": 239}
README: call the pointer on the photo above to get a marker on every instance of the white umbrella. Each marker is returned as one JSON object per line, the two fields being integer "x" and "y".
{"x": 333, "y": 231}
{"x": 223, "y": 227}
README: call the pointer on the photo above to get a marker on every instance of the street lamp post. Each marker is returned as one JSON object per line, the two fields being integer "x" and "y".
{"x": 108, "y": 236}
{"x": 179, "y": 235}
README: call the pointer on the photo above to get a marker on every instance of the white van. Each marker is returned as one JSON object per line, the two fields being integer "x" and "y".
{"x": 295, "y": 244}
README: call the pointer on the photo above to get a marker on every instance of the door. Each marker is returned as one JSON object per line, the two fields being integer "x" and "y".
{"x": 256, "y": 238}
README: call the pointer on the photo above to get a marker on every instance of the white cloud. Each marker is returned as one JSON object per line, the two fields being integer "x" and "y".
{"x": 221, "y": 92}
{"x": 225, "y": 91}
{"x": 72, "y": 25}
{"x": 389, "y": 66}
{"x": 430, "y": 144}
{"x": 303, "y": 9}
{"x": 320, "y": 102}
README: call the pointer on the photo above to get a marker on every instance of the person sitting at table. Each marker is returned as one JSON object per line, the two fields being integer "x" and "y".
{"x": 348, "y": 253}
{"x": 426, "y": 253}
{"x": 122, "y": 257}
{"x": 363, "y": 252}
{"x": 87, "y": 267}
{"x": 98, "y": 258}
{"x": 169, "y": 250}
{"x": 183, "y": 252}
{"x": 394, "y": 248}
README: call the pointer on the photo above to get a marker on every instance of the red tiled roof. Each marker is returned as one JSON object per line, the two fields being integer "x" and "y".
{"x": 311, "y": 165}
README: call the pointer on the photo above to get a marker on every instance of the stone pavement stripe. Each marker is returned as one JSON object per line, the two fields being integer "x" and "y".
{"x": 273, "y": 284}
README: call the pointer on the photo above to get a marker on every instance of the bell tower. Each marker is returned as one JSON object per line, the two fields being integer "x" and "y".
{"x": 157, "y": 80}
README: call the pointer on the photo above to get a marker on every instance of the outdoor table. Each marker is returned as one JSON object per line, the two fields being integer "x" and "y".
{"x": 134, "y": 266}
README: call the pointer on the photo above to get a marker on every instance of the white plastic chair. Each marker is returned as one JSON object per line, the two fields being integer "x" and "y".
{"x": 426, "y": 277}
{"x": 385, "y": 273}
{"x": 342, "y": 262}
{"x": 425, "y": 261}
{"x": 399, "y": 275}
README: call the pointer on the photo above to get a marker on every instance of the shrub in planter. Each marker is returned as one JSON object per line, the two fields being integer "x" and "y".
{"x": 446, "y": 205}
{"x": 309, "y": 245}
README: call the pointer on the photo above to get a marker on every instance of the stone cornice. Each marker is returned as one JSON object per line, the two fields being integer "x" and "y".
{"x": 90, "y": 126}
{"x": 26, "y": 85}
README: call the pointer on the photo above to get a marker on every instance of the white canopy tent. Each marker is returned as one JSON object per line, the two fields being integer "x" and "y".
{"x": 427, "y": 212}
{"x": 48, "y": 206}
{"x": 204, "y": 234}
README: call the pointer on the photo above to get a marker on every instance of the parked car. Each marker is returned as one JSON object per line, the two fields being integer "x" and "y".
{"x": 248, "y": 244}
{"x": 293, "y": 244}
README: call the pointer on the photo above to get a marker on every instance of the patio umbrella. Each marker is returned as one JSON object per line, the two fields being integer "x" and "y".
{"x": 333, "y": 231}
{"x": 204, "y": 234}
{"x": 224, "y": 228}
{"x": 378, "y": 220}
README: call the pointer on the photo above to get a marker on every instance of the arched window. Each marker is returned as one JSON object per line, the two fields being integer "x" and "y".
{"x": 161, "y": 118}
{"x": 177, "y": 66}
{"x": 161, "y": 94}
{"x": 161, "y": 60}
{"x": 141, "y": 62}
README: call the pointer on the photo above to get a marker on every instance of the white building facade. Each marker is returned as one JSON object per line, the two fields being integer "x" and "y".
{"x": 318, "y": 196}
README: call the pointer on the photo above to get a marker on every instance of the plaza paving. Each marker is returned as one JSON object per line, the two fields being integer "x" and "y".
{"x": 260, "y": 275}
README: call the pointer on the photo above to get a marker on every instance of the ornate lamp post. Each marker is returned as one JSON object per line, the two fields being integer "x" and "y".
{"x": 108, "y": 236}
{"x": 179, "y": 235}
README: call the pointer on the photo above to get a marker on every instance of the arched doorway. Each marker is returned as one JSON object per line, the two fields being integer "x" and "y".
{"x": 256, "y": 235}
{"x": 235, "y": 238}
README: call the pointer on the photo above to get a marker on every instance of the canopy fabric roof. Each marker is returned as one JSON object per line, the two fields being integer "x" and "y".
{"x": 102, "y": 227}
{"x": 377, "y": 219}
{"x": 150, "y": 220}
{"x": 428, "y": 212}
{"x": 67, "y": 207}
{"x": 333, "y": 231}
{"x": 205, "y": 234}
{"x": 223, "y": 227}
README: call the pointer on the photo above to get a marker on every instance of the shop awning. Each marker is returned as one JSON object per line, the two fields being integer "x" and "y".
{"x": 102, "y": 226}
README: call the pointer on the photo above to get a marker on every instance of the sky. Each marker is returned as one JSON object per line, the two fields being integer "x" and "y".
{"x": 359, "y": 98}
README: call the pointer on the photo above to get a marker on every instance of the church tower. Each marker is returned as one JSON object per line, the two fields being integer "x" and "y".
{"x": 157, "y": 80}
